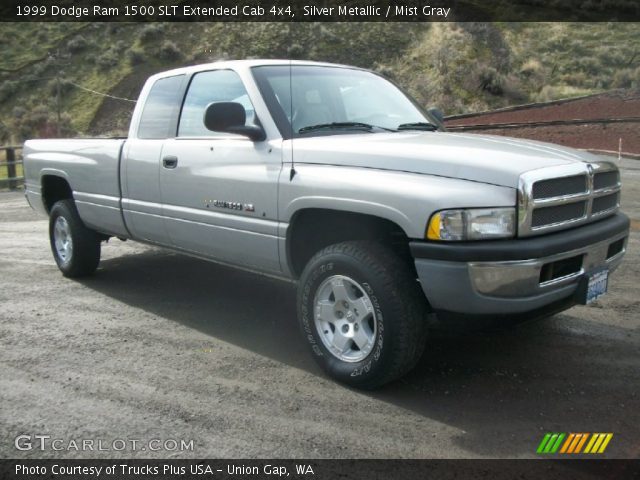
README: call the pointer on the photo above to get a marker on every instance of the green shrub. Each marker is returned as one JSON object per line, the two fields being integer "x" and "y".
{"x": 169, "y": 51}
{"x": 555, "y": 92}
{"x": 7, "y": 90}
{"x": 626, "y": 78}
{"x": 576, "y": 79}
{"x": 107, "y": 60}
{"x": 531, "y": 68}
{"x": 296, "y": 51}
{"x": 136, "y": 56}
{"x": 77, "y": 44}
{"x": 490, "y": 81}
{"x": 385, "y": 71}
{"x": 151, "y": 31}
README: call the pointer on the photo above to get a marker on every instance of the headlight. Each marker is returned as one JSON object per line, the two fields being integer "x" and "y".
{"x": 472, "y": 224}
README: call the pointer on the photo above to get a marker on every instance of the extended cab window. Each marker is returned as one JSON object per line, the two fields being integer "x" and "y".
{"x": 206, "y": 88}
{"x": 160, "y": 108}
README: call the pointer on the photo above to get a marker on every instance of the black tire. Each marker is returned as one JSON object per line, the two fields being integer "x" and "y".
{"x": 84, "y": 256}
{"x": 396, "y": 299}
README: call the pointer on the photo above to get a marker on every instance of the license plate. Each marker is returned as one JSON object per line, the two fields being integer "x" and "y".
{"x": 597, "y": 285}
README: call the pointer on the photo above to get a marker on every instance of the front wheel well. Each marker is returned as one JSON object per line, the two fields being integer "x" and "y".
{"x": 311, "y": 230}
{"x": 54, "y": 189}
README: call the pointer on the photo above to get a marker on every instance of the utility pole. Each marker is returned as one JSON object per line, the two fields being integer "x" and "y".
{"x": 58, "y": 107}
{"x": 58, "y": 74}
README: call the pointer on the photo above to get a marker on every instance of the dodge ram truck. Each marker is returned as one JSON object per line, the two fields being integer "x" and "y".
{"x": 332, "y": 177}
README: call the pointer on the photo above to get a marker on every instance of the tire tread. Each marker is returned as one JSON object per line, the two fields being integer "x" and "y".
{"x": 86, "y": 242}
{"x": 410, "y": 327}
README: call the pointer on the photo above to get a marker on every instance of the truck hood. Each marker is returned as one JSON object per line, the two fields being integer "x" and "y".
{"x": 481, "y": 158}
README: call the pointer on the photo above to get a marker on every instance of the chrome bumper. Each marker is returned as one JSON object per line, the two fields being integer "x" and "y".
{"x": 520, "y": 275}
{"x": 523, "y": 278}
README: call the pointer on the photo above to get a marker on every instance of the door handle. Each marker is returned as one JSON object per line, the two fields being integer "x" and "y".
{"x": 170, "y": 161}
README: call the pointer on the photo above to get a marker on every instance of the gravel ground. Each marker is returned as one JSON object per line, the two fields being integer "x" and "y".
{"x": 160, "y": 346}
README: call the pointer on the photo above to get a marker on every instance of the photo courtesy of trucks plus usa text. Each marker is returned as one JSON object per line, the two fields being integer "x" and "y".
{"x": 331, "y": 176}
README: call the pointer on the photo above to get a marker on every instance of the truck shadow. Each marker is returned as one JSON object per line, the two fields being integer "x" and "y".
{"x": 502, "y": 390}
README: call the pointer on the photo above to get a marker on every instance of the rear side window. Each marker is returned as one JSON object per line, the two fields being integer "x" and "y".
{"x": 206, "y": 88}
{"x": 160, "y": 108}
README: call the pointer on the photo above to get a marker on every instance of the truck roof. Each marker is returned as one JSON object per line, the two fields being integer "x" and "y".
{"x": 235, "y": 64}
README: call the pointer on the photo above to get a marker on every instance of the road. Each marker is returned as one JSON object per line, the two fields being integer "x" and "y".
{"x": 161, "y": 346}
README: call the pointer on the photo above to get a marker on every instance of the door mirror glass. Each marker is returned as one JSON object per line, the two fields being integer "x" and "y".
{"x": 219, "y": 116}
{"x": 230, "y": 117}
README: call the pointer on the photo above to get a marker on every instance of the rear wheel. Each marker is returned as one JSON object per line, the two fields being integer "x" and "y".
{"x": 76, "y": 249}
{"x": 362, "y": 313}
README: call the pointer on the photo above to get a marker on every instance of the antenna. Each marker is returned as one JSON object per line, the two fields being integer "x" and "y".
{"x": 293, "y": 172}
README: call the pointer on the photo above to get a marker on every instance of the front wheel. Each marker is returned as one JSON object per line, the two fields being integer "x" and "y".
{"x": 362, "y": 313}
{"x": 76, "y": 249}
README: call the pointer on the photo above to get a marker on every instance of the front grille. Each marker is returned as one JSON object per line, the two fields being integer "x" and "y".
{"x": 605, "y": 179}
{"x": 602, "y": 204}
{"x": 564, "y": 196}
{"x": 557, "y": 187}
{"x": 557, "y": 214}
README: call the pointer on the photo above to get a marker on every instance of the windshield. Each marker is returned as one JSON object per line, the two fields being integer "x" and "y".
{"x": 321, "y": 100}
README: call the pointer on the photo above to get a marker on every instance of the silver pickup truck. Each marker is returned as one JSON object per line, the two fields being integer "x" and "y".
{"x": 333, "y": 177}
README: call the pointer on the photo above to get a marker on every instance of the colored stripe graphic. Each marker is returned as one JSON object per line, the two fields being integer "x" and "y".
{"x": 598, "y": 443}
{"x": 550, "y": 443}
{"x": 556, "y": 443}
{"x": 594, "y": 437}
{"x": 581, "y": 442}
{"x": 605, "y": 443}
{"x": 543, "y": 443}
{"x": 576, "y": 439}
{"x": 567, "y": 442}
{"x": 555, "y": 447}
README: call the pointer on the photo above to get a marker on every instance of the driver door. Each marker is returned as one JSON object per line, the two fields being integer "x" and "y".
{"x": 219, "y": 190}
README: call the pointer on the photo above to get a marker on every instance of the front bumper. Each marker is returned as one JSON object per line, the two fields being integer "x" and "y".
{"x": 517, "y": 276}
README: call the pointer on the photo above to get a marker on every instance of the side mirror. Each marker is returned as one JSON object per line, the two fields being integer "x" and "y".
{"x": 437, "y": 114}
{"x": 230, "y": 117}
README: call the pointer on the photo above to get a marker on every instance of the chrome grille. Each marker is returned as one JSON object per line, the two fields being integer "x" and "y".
{"x": 559, "y": 197}
{"x": 605, "y": 179}
{"x": 558, "y": 214}
{"x": 605, "y": 203}
{"x": 556, "y": 187}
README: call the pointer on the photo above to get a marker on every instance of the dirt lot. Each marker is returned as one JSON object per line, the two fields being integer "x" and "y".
{"x": 159, "y": 346}
{"x": 616, "y": 104}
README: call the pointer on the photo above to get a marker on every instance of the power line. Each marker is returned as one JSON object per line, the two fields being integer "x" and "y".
{"x": 66, "y": 81}
{"x": 99, "y": 93}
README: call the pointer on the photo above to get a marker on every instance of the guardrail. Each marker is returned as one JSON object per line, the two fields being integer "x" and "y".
{"x": 12, "y": 160}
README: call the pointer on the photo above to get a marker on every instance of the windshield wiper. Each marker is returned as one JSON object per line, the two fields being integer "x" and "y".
{"x": 427, "y": 127}
{"x": 339, "y": 126}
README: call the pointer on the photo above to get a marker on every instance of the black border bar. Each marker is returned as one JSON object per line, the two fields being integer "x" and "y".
{"x": 125, "y": 469}
{"x": 320, "y": 10}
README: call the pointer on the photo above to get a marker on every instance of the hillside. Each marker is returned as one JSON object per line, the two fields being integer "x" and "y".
{"x": 48, "y": 70}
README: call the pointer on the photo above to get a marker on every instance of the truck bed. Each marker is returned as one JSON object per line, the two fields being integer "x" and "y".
{"x": 91, "y": 166}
